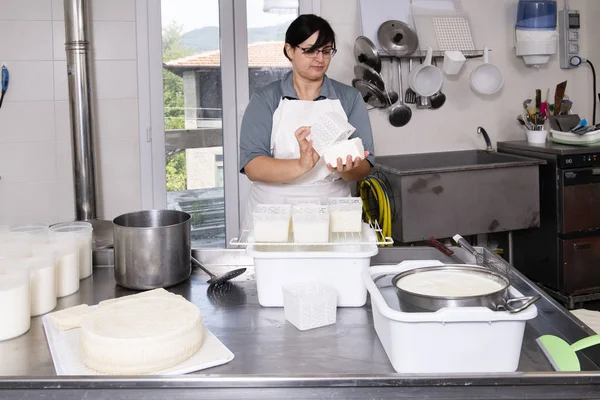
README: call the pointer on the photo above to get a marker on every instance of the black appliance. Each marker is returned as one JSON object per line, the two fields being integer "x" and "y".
{"x": 563, "y": 254}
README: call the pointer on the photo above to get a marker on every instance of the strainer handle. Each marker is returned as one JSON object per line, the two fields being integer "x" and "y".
{"x": 524, "y": 301}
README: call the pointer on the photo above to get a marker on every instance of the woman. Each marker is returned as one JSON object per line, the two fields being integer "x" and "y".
{"x": 275, "y": 153}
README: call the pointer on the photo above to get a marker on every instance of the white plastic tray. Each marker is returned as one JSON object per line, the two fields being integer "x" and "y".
{"x": 450, "y": 340}
{"x": 570, "y": 138}
{"x": 64, "y": 349}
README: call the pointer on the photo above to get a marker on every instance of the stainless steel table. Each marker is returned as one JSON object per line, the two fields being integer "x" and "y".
{"x": 275, "y": 360}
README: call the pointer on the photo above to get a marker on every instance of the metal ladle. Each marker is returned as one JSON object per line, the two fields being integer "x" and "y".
{"x": 400, "y": 114}
{"x": 214, "y": 279}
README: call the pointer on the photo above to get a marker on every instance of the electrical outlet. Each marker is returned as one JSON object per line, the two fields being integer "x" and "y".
{"x": 569, "y": 25}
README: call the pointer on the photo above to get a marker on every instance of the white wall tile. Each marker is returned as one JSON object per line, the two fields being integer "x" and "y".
{"x": 30, "y": 81}
{"x": 101, "y": 10}
{"x": 115, "y": 79}
{"x": 29, "y": 202}
{"x": 27, "y": 162}
{"x": 29, "y": 10}
{"x": 118, "y": 166}
{"x": 113, "y": 10}
{"x": 25, "y": 40}
{"x": 16, "y": 121}
{"x": 118, "y": 157}
{"x": 64, "y": 173}
{"x": 58, "y": 40}
{"x": 109, "y": 40}
{"x": 58, "y": 10}
{"x": 113, "y": 40}
{"x": 118, "y": 196}
{"x": 66, "y": 201}
{"x": 62, "y": 122}
{"x": 117, "y": 118}
{"x": 64, "y": 163}
{"x": 61, "y": 84}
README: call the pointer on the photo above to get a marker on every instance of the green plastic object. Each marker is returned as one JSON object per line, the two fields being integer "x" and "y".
{"x": 563, "y": 356}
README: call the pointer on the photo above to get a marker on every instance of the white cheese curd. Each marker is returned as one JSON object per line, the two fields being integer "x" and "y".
{"x": 15, "y": 308}
{"x": 70, "y": 318}
{"x": 43, "y": 284}
{"x": 448, "y": 284}
{"x": 141, "y": 335}
{"x": 343, "y": 149}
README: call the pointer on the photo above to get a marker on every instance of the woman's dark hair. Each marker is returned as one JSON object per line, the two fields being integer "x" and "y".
{"x": 304, "y": 26}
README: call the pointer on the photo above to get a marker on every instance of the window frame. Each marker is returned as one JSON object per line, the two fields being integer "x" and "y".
{"x": 235, "y": 97}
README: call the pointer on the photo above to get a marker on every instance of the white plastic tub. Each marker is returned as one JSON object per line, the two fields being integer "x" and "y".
{"x": 451, "y": 340}
{"x": 310, "y": 223}
{"x": 276, "y": 266}
{"x": 272, "y": 222}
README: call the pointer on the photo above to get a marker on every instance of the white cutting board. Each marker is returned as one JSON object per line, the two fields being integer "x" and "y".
{"x": 64, "y": 348}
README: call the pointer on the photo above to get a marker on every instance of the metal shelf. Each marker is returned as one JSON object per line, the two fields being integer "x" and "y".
{"x": 370, "y": 234}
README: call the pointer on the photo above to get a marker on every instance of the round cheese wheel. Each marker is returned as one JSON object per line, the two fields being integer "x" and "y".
{"x": 141, "y": 335}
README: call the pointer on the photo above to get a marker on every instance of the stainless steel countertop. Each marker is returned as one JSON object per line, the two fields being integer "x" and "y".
{"x": 272, "y": 357}
{"x": 548, "y": 147}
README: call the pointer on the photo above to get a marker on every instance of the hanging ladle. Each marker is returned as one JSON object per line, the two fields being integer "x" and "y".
{"x": 400, "y": 114}
{"x": 214, "y": 279}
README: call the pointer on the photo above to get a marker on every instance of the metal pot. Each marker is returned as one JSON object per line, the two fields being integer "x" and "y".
{"x": 152, "y": 249}
{"x": 498, "y": 301}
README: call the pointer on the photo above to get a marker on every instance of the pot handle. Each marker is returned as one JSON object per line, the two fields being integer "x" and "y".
{"x": 526, "y": 302}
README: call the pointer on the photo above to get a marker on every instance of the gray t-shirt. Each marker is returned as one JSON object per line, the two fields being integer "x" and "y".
{"x": 255, "y": 135}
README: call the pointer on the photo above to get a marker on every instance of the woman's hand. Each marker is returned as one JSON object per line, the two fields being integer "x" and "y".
{"x": 308, "y": 155}
{"x": 350, "y": 165}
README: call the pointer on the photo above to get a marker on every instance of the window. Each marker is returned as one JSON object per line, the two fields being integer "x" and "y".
{"x": 213, "y": 56}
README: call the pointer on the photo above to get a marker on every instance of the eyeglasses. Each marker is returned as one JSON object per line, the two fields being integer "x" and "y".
{"x": 327, "y": 52}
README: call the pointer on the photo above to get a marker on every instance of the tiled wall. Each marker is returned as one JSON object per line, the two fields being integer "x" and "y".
{"x": 454, "y": 126}
{"x": 36, "y": 181}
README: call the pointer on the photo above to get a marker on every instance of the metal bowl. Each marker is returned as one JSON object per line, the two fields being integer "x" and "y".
{"x": 498, "y": 301}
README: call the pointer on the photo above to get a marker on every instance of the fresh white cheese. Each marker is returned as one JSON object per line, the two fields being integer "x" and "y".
{"x": 141, "y": 335}
{"x": 343, "y": 149}
{"x": 328, "y": 129}
{"x": 71, "y": 317}
{"x": 149, "y": 293}
{"x": 448, "y": 284}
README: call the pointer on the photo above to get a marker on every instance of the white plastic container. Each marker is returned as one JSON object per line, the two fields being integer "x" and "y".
{"x": 302, "y": 200}
{"x": 276, "y": 266}
{"x": 536, "y": 136}
{"x": 34, "y": 233}
{"x": 272, "y": 222}
{"x": 83, "y": 232}
{"x": 42, "y": 267}
{"x": 15, "y": 245}
{"x": 345, "y": 214}
{"x": 309, "y": 305}
{"x": 310, "y": 223}
{"x": 15, "y": 308}
{"x": 67, "y": 266}
{"x": 451, "y": 340}
{"x": 453, "y": 62}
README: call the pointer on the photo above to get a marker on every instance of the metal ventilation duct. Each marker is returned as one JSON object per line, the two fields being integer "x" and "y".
{"x": 82, "y": 128}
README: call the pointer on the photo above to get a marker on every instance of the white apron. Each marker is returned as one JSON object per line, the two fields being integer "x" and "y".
{"x": 318, "y": 182}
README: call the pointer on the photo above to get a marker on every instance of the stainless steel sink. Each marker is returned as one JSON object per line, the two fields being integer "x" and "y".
{"x": 466, "y": 192}
{"x": 453, "y": 161}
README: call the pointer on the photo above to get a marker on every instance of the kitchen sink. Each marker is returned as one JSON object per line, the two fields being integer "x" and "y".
{"x": 467, "y": 192}
{"x": 453, "y": 161}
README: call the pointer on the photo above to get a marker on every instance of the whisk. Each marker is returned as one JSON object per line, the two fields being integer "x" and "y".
{"x": 493, "y": 262}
